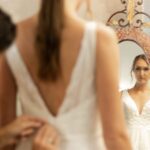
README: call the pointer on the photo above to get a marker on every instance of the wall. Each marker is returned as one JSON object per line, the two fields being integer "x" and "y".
{"x": 21, "y": 9}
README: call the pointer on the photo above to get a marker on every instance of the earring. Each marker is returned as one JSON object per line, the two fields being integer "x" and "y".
{"x": 89, "y": 11}
{"x": 78, "y": 5}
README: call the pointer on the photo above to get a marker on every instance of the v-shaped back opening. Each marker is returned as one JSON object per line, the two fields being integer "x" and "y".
{"x": 73, "y": 73}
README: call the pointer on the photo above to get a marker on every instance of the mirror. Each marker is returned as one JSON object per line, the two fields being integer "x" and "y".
{"x": 128, "y": 51}
{"x": 132, "y": 26}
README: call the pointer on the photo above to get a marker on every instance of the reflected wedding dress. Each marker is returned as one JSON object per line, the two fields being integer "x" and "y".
{"x": 138, "y": 124}
{"x": 77, "y": 121}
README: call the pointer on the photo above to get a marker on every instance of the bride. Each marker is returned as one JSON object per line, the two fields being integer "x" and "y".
{"x": 65, "y": 71}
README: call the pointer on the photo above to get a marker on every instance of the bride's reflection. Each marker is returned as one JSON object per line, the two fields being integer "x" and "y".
{"x": 136, "y": 101}
{"x": 128, "y": 51}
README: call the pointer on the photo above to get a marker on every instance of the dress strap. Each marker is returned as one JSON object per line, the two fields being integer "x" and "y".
{"x": 84, "y": 70}
{"x": 16, "y": 64}
{"x": 19, "y": 69}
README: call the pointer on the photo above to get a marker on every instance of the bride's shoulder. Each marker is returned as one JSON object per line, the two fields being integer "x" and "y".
{"x": 105, "y": 31}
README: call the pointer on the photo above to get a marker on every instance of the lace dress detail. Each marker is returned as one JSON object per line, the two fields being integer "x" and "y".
{"x": 138, "y": 124}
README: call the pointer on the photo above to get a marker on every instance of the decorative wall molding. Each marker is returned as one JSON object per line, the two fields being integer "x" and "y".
{"x": 130, "y": 16}
{"x": 129, "y": 24}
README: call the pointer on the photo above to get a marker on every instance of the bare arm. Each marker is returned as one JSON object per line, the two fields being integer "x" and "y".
{"x": 7, "y": 98}
{"x": 7, "y": 93}
{"x": 107, "y": 81}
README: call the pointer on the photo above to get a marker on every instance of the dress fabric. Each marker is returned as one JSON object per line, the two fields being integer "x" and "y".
{"x": 138, "y": 123}
{"x": 77, "y": 121}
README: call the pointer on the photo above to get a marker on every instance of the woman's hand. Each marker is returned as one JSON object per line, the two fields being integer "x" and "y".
{"x": 46, "y": 139}
{"x": 21, "y": 128}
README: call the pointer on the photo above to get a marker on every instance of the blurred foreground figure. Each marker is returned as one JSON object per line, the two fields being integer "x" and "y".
{"x": 65, "y": 71}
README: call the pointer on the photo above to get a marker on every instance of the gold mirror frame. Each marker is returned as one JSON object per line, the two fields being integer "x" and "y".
{"x": 129, "y": 25}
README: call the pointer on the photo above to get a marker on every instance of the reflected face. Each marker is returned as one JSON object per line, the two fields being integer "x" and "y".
{"x": 142, "y": 71}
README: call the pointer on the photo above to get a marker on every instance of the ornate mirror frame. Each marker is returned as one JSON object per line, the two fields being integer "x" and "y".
{"x": 129, "y": 24}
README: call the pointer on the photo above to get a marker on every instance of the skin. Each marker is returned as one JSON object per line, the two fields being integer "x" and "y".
{"x": 107, "y": 63}
{"x": 140, "y": 92}
{"x": 46, "y": 133}
{"x": 19, "y": 129}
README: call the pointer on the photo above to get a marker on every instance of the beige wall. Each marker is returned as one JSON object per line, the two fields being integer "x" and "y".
{"x": 21, "y": 9}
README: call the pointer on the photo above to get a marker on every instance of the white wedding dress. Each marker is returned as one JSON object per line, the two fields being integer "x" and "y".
{"x": 78, "y": 121}
{"x": 138, "y": 124}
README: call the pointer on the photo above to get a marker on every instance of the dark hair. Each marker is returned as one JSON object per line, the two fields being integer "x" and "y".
{"x": 7, "y": 30}
{"x": 141, "y": 56}
{"x": 48, "y": 39}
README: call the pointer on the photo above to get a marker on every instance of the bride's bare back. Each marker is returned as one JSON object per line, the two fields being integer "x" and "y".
{"x": 52, "y": 92}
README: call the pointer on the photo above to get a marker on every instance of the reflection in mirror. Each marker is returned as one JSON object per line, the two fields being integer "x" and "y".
{"x": 135, "y": 94}
{"x": 133, "y": 30}
{"x": 128, "y": 51}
